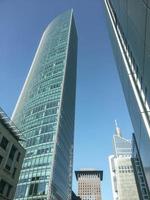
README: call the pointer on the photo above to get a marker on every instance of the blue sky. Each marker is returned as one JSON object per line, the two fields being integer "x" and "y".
{"x": 99, "y": 99}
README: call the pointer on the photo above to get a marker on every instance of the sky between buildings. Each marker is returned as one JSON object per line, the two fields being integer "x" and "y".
{"x": 99, "y": 99}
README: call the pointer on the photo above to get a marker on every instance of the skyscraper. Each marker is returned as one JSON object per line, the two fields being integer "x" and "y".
{"x": 122, "y": 175}
{"x": 129, "y": 25}
{"x": 45, "y": 114}
{"x": 89, "y": 184}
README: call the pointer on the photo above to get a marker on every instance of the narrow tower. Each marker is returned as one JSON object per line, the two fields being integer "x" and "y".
{"x": 45, "y": 114}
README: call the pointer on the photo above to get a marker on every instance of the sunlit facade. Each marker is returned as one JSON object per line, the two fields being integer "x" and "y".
{"x": 121, "y": 169}
{"x": 129, "y": 27}
{"x": 89, "y": 184}
{"x": 45, "y": 114}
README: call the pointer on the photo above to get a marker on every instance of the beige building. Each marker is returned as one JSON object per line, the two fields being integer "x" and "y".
{"x": 123, "y": 179}
{"x": 11, "y": 157}
{"x": 121, "y": 169}
{"x": 89, "y": 184}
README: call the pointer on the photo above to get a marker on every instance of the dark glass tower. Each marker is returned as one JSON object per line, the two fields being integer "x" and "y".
{"x": 129, "y": 25}
{"x": 45, "y": 114}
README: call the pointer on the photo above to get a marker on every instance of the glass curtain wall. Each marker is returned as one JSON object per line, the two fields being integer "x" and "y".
{"x": 129, "y": 27}
{"x": 45, "y": 114}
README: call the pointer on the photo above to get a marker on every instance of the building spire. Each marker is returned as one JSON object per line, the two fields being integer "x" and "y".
{"x": 116, "y": 123}
{"x": 117, "y": 129}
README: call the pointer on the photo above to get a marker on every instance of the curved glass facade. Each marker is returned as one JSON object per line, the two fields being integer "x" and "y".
{"x": 45, "y": 114}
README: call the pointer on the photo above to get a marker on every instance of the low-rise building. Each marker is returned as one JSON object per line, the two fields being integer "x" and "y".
{"x": 11, "y": 157}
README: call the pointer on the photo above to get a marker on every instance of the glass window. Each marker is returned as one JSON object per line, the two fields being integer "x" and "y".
{"x": 12, "y": 152}
{"x": 2, "y": 186}
{"x": 33, "y": 189}
{"x": 8, "y": 166}
{"x": 14, "y": 172}
{"x": 21, "y": 190}
{"x": 8, "y": 190}
{"x": 4, "y": 143}
{"x": 41, "y": 188}
{"x": 18, "y": 156}
{"x": 1, "y": 158}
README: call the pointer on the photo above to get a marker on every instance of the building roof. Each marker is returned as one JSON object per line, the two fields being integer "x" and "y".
{"x": 89, "y": 171}
{"x": 9, "y": 124}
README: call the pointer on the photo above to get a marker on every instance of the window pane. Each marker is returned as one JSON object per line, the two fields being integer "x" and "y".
{"x": 41, "y": 188}
{"x": 2, "y": 186}
{"x": 4, "y": 143}
{"x": 1, "y": 158}
{"x": 12, "y": 152}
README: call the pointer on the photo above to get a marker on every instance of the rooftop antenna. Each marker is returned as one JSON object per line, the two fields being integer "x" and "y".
{"x": 116, "y": 123}
{"x": 117, "y": 131}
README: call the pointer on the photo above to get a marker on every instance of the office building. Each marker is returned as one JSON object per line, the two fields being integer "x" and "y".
{"x": 89, "y": 184}
{"x": 129, "y": 27}
{"x": 11, "y": 157}
{"x": 121, "y": 169}
{"x": 45, "y": 114}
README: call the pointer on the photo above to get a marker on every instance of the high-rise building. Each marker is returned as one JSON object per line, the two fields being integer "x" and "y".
{"x": 89, "y": 184}
{"x": 121, "y": 169}
{"x": 129, "y": 25}
{"x": 45, "y": 114}
{"x": 11, "y": 157}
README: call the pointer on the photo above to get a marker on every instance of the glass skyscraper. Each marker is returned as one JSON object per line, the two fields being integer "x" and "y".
{"x": 129, "y": 26}
{"x": 45, "y": 114}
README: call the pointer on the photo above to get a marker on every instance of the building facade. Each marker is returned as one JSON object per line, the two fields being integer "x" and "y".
{"x": 45, "y": 114}
{"x": 11, "y": 157}
{"x": 121, "y": 169}
{"x": 89, "y": 184}
{"x": 139, "y": 172}
{"x": 129, "y": 27}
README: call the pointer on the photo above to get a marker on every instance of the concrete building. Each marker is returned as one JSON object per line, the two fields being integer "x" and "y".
{"x": 11, "y": 157}
{"x": 45, "y": 114}
{"x": 129, "y": 28}
{"x": 121, "y": 169}
{"x": 89, "y": 184}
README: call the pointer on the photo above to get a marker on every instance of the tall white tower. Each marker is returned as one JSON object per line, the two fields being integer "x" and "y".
{"x": 121, "y": 169}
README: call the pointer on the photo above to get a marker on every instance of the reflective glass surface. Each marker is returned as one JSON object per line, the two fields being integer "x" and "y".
{"x": 45, "y": 114}
{"x": 130, "y": 36}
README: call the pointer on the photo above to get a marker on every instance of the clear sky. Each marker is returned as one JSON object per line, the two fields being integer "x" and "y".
{"x": 99, "y": 99}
